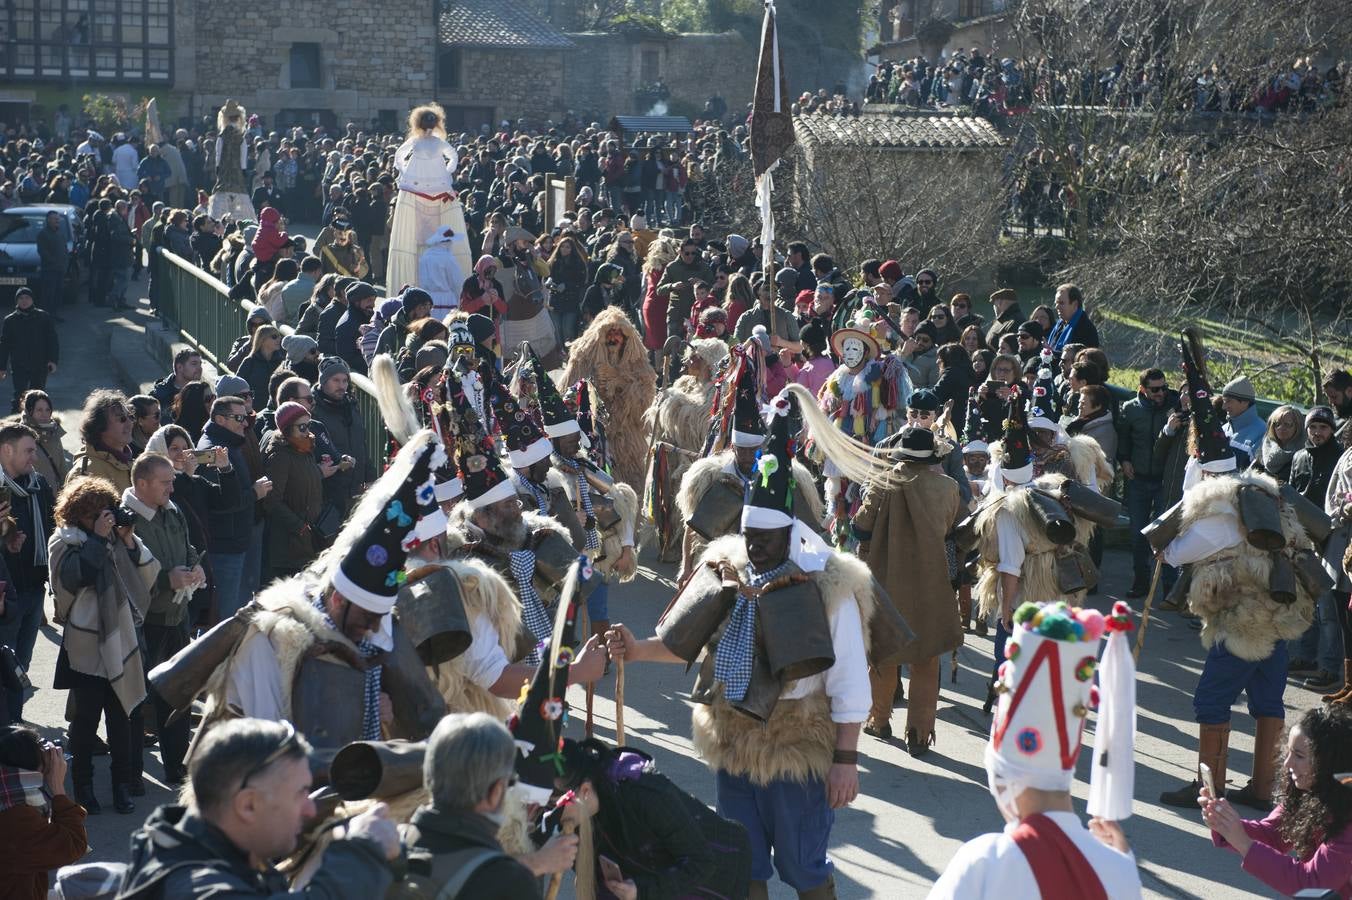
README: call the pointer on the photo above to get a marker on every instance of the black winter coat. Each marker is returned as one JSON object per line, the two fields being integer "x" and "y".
{"x": 28, "y": 340}
{"x": 348, "y": 433}
{"x": 230, "y": 524}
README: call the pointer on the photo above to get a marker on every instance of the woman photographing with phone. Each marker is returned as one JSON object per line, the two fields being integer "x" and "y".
{"x": 1306, "y": 841}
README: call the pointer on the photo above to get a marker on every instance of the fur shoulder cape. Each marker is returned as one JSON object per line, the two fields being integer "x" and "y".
{"x": 703, "y": 473}
{"x": 796, "y": 743}
{"x": 680, "y": 414}
{"x": 1230, "y": 590}
{"x": 612, "y": 542}
{"x": 485, "y": 594}
{"x": 1086, "y": 458}
{"x": 1037, "y": 576}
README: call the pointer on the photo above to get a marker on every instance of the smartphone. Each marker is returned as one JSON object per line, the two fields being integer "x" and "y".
{"x": 1208, "y": 781}
{"x": 205, "y": 457}
{"x": 609, "y": 870}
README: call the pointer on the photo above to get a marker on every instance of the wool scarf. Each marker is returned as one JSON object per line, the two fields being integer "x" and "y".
{"x": 30, "y": 491}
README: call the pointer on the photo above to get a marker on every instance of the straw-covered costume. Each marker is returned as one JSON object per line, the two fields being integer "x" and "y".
{"x": 1046, "y": 692}
{"x": 230, "y": 195}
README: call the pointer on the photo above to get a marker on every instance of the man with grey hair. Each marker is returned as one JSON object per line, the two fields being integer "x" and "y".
{"x": 468, "y": 771}
{"x": 250, "y": 798}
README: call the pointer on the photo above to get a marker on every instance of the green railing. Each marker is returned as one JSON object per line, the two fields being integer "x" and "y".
{"x": 198, "y": 306}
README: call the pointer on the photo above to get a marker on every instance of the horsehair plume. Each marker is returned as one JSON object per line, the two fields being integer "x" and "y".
{"x": 395, "y": 407}
{"x": 855, "y": 459}
{"x": 372, "y": 503}
{"x": 1195, "y": 345}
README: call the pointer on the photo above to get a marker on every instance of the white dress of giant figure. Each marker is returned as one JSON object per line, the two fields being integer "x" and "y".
{"x": 427, "y": 204}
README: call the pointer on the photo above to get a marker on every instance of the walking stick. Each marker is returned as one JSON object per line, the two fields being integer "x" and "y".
{"x": 619, "y": 702}
{"x": 556, "y": 880}
{"x": 1145, "y": 612}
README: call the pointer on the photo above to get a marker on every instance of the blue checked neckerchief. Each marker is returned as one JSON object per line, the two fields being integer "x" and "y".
{"x": 370, "y": 723}
{"x": 732, "y": 663}
{"x": 540, "y": 494}
{"x": 588, "y": 513}
{"x": 532, "y": 609}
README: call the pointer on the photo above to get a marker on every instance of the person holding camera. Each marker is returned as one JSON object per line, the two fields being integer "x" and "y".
{"x": 102, "y": 574}
{"x": 26, "y": 501}
{"x": 40, "y": 827}
{"x": 163, "y": 527}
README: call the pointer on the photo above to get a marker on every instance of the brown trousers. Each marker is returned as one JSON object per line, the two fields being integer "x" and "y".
{"x": 922, "y": 695}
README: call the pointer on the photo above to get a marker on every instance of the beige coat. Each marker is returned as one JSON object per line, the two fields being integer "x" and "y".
{"x": 906, "y": 554}
{"x": 104, "y": 465}
{"x": 52, "y": 460}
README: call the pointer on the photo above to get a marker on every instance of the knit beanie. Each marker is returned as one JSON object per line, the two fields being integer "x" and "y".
{"x": 288, "y": 413}
{"x": 891, "y": 271}
{"x": 413, "y": 297}
{"x": 296, "y": 346}
{"x": 330, "y": 366}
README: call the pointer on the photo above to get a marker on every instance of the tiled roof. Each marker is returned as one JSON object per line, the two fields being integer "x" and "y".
{"x": 905, "y": 131}
{"x": 496, "y": 23}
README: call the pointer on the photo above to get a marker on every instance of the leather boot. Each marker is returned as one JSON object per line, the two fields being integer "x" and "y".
{"x": 1213, "y": 748}
{"x": 758, "y": 890}
{"x": 824, "y": 891}
{"x": 122, "y": 801}
{"x": 84, "y": 795}
{"x": 1342, "y": 693}
{"x": 965, "y": 605}
{"x": 1257, "y": 794}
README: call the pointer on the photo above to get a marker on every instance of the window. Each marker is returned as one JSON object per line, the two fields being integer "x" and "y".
{"x": 651, "y": 66}
{"x": 106, "y": 40}
{"x": 305, "y": 72}
{"x": 448, "y": 70}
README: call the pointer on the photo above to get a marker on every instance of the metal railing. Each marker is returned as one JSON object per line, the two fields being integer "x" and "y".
{"x": 198, "y": 306}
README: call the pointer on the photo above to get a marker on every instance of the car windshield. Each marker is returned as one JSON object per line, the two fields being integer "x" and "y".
{"x": 17, "y": 229}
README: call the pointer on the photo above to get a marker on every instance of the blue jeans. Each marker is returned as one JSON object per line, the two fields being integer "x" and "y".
{"x": 789, "y": 818}
{"x": 1323, "y": 640}
{"x": 598, "y": 603}
{"x": 1226, "y": 676}
{"x": 1145, "y": 500}
{"x": 565, "y": 323}
{"x": 252, "y": 580}
{"x": 229, "y": 571}
{"x": 673, "y": 207}
{"x": 20, "y": 634}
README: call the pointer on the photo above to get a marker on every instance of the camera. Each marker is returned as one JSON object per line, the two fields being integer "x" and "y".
{"x": 122, "y": 517}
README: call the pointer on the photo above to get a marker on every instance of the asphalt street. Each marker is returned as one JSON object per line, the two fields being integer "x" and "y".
{"x": 911, "y": 815}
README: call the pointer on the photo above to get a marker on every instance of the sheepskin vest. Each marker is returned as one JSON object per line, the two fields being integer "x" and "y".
{"x": 1229, "y": 590}
{"x": 612, "y": 541}
{"x": 705, "y": 473}
{"x": 797, "y": 741}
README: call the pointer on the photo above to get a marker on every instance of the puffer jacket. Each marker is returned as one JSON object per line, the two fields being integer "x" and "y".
{"x": 347, "y": 431}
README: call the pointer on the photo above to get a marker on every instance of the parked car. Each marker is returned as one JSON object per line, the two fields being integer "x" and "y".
{"x": 19, "y": 227}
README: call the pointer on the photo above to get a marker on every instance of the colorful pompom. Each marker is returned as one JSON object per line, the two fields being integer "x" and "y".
{"x": 1025, "y": 612}
{"x": 1084, "y": 670}
{"x": 1093, "y": 623}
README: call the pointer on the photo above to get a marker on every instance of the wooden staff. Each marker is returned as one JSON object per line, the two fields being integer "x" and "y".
{"x": 556, "y": 880}
{"x": 1145, "y": 612}
{"x": 619, "y": 702}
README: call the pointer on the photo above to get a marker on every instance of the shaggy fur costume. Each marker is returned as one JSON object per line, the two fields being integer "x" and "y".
{"x": 797, "y": 742}
{"x": 560, "y": 505}
{"x": 679, "y": 418}
{"x": 612, "y": 541}
{"x": 1230, "y": 590}
{"x": 290, "y": 621}
{"x": 1086, "y": 458}
{"x": 470, "y": 541}
{"x": 625, "y": 382}
{"x": 485, "y": 594}
{"x": 1037, "y": 575}
{"x": 703, "y": 473}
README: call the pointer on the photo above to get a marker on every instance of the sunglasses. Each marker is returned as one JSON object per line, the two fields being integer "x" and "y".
{"x": 237, "y": 417}
{"x": 304, "y": 429}
{"x": 923, "y": 281}
{"x": 289, "y": 742}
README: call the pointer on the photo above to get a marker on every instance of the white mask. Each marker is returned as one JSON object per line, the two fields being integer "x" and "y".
{"x": 852, "y": 352}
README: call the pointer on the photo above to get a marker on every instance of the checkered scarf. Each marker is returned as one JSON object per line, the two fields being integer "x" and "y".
{"x": 732, "y": 663}
{"x": 532, "y": 609}
{"x": 22, "y": 787}
{"x": 370, "y": 723}
{"x": 589, "y": 514}
{"x": 540, "y": 494}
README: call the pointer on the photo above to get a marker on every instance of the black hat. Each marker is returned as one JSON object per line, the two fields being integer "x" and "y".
{"x": 476, "y": 455}
{"x": 1032, "y": 329}
{"x": 1043, "y": 405}
{"x": 924, "y": 400}
{"x": 748, "y": 427}
{"x": 412, "y": 297}
{"x": 1016, "y": 464}
{"x": 916, "y": 443}
{"x": 373, "y": 568}
{"x": 591, "y": 418}
{"x": 974, "y": 429}
{"x": 1213, "y": 449}
{"x": 557, "y": 417}
{"x": 538, "y": 725}
{"x": 359, "y": 290}
{"x": 526, "y": 441}
{"x": 769, "y": 496}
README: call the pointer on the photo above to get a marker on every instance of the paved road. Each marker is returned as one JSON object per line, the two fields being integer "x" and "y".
{"x": 912, "y": 814}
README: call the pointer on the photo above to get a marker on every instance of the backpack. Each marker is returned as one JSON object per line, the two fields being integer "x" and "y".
{"x": 447, "y": 873}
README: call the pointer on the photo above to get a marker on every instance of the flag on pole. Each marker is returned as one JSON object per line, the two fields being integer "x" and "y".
{"x": 771, "y": 125}
{"x": 153, "y": 133}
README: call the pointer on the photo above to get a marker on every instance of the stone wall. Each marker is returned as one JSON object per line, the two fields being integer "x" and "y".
{"x": 601, "y": 76}
{"x": 373, "y": 57}
{"x": 512, "y": 83}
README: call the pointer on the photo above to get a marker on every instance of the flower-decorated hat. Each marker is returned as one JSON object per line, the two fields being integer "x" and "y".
{"x": 557, "y": 417}
{"x": 1016, "y": 462}
{"x": 1046, "y": 687}
{"x": 526, "y": 442}
{"x": 1043, "y": 405}
{"x": 1213, "y": 450}
{"x": 973, "y": 429}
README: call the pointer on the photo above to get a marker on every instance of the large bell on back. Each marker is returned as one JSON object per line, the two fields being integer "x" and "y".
{"x": 719, "y": 511}
{"x": 432, "y": 614}
{"x": 794, "y": 632}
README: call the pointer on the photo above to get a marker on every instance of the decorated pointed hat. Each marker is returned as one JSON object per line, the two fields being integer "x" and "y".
{"x": 748, "y": 424}
{"x": 526, "y": 442}
{"x": 1016, "y": 462}
{"x": 1043, "y": 406}
{"x": 372, "y": 569}
{"x": 480, "y": 469}
{"x": 539, "y": 722}
{"x": 1046, "y": 688}
{"x": 585, "y": 405}
{"x": 769, "y": 496}
{"x": 557, "y": 417}
{"x": 974, "y": 427}
{"x": 1212, "y": 447}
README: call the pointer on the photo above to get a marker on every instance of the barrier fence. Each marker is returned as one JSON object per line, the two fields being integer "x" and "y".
{"x": 198, "y": 306}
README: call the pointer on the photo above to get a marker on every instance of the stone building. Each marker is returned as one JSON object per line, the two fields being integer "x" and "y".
{"x": 316, "y": 62}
